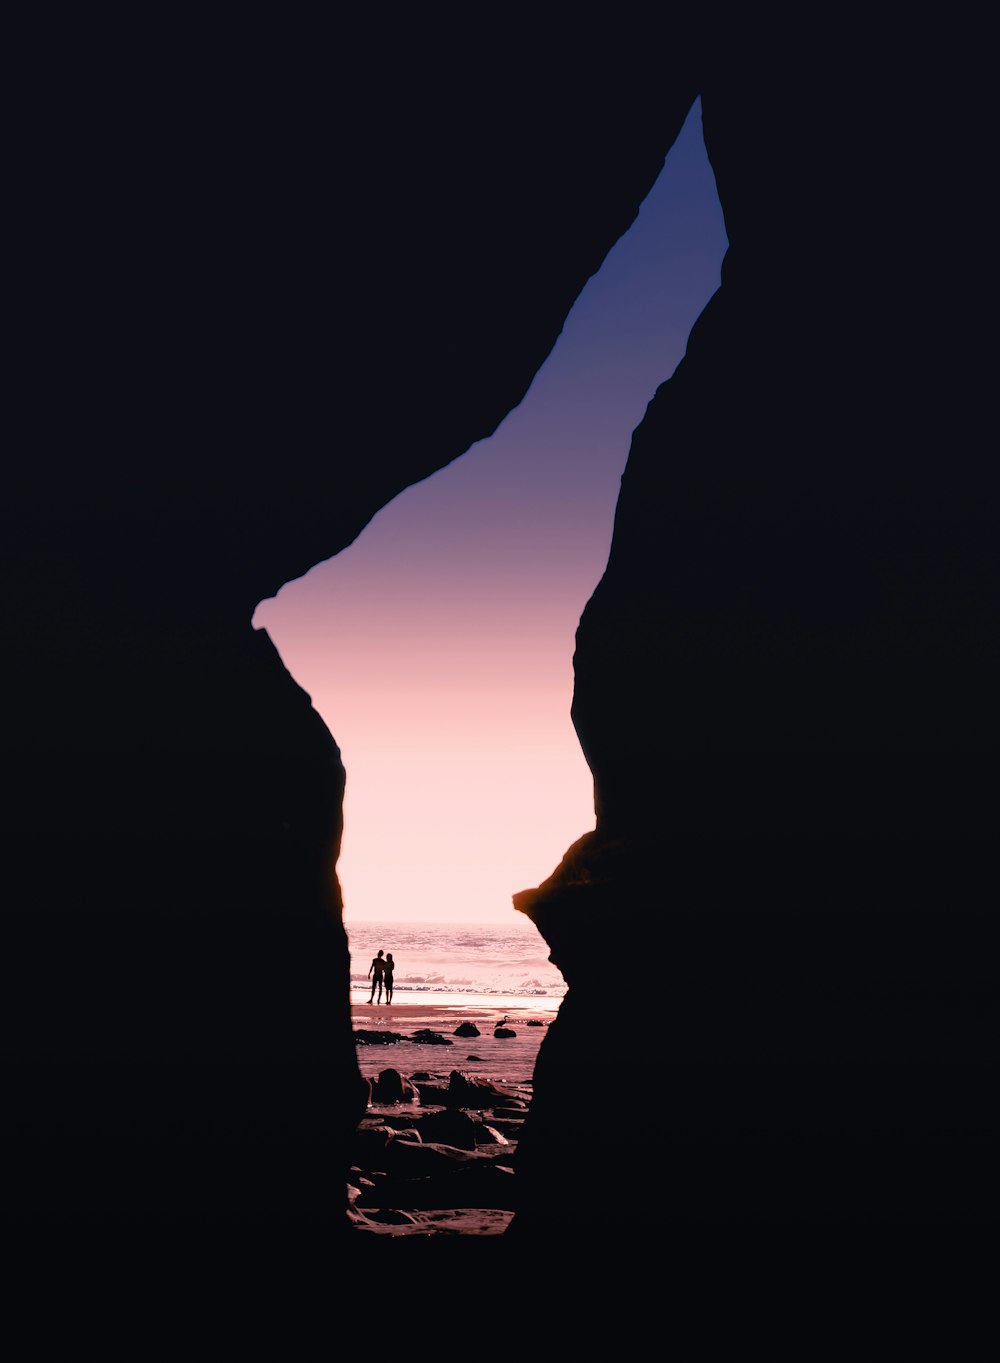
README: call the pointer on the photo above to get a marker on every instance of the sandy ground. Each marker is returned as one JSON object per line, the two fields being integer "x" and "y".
{"x": 509, "y": 1060}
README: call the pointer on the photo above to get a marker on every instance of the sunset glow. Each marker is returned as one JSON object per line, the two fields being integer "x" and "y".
{"x": 438, "y": 647}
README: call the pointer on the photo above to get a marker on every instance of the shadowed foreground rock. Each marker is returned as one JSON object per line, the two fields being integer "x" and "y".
{"x": 449, "y": 1154}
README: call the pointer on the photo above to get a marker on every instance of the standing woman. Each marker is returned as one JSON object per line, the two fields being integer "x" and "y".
{"x": 389, "y": 966}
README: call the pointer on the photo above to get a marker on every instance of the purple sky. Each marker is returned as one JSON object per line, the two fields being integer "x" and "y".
{"x": 438, "y": 647}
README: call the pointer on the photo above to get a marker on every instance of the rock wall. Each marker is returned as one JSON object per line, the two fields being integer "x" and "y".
{"x": 784, "y": 687}
{"x": 265, "y": 279}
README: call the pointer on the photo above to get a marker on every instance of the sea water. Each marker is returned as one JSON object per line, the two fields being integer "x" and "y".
{"x": 457, "y": 962}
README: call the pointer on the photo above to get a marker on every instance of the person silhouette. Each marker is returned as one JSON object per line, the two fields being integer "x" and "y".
{"x": 390, "y": 965}
{"x": 375, "y": 973}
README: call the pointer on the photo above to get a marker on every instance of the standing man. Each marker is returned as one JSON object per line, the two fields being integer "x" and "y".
{"x": 375, "y": 973}
{"x": 390, "y": 965}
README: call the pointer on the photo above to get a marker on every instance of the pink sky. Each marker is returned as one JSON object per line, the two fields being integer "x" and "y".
{"x": 438, "y": 647}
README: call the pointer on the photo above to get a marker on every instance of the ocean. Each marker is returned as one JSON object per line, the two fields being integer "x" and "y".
{"x": 501, "y": 963}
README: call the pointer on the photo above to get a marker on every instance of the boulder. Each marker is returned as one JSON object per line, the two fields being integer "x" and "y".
{"x": 369, "y": 1144}
{"x": 452, "y": 1127}
{"x": 362, "y": 1037}
{"x": 425, "y": 1037}
{"x": 467, "y": 1029}
{"x": 466, "y": 1091}
{"x": 393, "y": 1087}
{"x": 432, "y": 1095}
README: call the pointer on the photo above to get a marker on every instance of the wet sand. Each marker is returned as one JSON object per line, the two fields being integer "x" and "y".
{"x": 506, "y": 1060}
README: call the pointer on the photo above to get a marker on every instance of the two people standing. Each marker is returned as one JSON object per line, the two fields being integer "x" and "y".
{"x": 380, "y": 973}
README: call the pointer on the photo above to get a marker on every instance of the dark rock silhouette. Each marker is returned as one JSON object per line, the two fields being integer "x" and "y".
{"x": 450, "y": 1127}
{"x": 255, "y": 302}
{"x": 444, "y": 1178}
{"x": 783, "y": 682}
{"x": 426, "y": 1036}
{"x": 393, "y": 1087}
{"x": 364, "y": 1036}
{"x": 467, "y": 1029}
{"x": 370, "y": 1142}
{"x": 247, "y": 316}
{"x": 474, "y": 1091}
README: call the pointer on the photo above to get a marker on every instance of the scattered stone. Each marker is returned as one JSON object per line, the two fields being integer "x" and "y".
{"x": 446, "y": 1152}
{"x": 393, "y": 1087}
{"x": 425, "y": 1037}
{"x": 433, "y": 1095}
{"x": 477, "y": 1058}
{"x": 477, "y": 1183}
{"x": 502, "y": 1032}
{"x": 464, "y": 1091}
{"x": 452, "y": 1127}
{"x": 467, "y": 1029}
{"x": 370, "y": 1143}
{"x": 370, "y": 1038}
{"x": 534, "y": 1022}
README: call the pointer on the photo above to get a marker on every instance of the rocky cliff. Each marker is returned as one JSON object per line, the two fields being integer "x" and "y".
{"x": 783, "y": 687}
{"x": 267, "y": 278}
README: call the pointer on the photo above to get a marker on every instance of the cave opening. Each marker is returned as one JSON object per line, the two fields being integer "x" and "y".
{"x": 438, "y": 646}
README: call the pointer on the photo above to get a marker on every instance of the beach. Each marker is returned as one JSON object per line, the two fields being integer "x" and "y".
{"x": 434, "y": 1153}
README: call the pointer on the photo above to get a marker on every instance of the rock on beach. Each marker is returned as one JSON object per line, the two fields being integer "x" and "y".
{"x": 445, "y": 1166}
{"x": 436, "y": 1151}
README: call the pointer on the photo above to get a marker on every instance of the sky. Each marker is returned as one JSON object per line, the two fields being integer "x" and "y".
{"x": 438, "y": 646}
